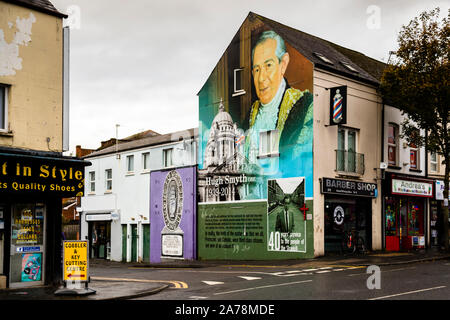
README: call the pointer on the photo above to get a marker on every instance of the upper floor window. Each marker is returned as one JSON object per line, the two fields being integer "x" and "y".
{"x": 92, "y": 181}
{"x": 108, "y": 179}
{"x": 168, "y": 157}
{"x": 3, "y": 107}
{"x": 130, "y": 163}
{"x": 393, "y": 132}
{"x": 414, "y": 154}
{"x": 347, "y": 159}
{"x": 146, "y": 161}
{"x": 433, "y": 162}
{"x": 268, "y": 142}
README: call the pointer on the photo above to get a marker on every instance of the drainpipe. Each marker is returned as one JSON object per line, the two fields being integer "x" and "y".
{"x": 383, "y": 218}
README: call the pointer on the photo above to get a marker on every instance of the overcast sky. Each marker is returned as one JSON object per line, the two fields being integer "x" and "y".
{"x": 141, "y": 63}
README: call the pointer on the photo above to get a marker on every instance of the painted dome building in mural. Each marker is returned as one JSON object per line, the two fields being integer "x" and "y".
{"x": 223, "y": 178}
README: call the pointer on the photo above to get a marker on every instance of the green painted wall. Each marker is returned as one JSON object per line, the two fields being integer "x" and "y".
{"x": 239, "y": 231}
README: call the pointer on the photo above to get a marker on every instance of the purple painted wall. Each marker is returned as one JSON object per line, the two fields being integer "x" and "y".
{"x": 187, "y": 223}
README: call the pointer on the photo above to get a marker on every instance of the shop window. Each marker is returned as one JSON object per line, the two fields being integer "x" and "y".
{"x": 268, "y": 143}
{"x": 130, "y": 164}
{"x": 415, "y": 218}
{"x": 393, "y": 132}
{"x": 391, "y": 221}
{"x": 146, "y": 161}
{"x": 92, "y": 181}
{"x": 108, "y": 179}
{"x": 3, "y": 107}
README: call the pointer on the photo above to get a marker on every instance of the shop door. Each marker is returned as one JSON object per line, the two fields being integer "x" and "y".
{"x": 435, "y": 223}
{"x": 100, "y": 239}
{"x": 134, "y": 238}
{"x": 27, "y": 263}
{"x": 2, "y": 236}
{"x": 146, "y": 244}
{"x": 124, "y": 243}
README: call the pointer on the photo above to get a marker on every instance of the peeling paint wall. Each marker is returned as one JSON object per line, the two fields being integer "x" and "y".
{"x": 31, "y": 64}
{"x": 10, "y": 61}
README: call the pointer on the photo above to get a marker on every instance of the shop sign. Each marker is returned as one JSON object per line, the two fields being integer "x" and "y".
{"x": 414, "y": 188}
{"x": 349, "y": 187}
{"x": 27, "y": 174}
{"x": 440, "y": 190}
{"x": 75, "y": 264}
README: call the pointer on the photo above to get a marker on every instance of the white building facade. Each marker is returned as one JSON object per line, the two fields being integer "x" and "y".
{"x": 114, "y": 213}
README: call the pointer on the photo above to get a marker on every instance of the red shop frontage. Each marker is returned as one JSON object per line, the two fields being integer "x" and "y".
{"x": 405, "y": 212}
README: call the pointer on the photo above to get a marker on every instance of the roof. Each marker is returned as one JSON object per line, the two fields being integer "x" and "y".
{"x": 44, "y": 6}
{"x": 368, "y": 69}
{"x": 153, "y": 140}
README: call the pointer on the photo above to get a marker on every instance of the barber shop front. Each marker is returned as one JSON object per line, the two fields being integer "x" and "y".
{"x": 32, "y": 185}
{"x": 348, "y": 209}
{"x": 405, "y": 206}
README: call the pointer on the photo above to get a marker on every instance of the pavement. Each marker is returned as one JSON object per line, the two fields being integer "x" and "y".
{"x": 103, "y": 288}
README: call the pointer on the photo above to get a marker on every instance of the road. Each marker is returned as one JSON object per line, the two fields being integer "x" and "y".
{"x": 418, "y": 281}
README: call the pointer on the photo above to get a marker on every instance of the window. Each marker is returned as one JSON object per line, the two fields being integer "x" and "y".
{"x": 92, "y": 181}
{"x": 3, "y": 108}
{"x": 323, "y": 58}
{"x": 268, "y": 143}
{"x": 238, "y": 90}
{"x": 108, "y": 179}
{"x": 130, "y": 163}
{"x": 167, "y": 157}
{"x": 393, "y": 144}
{"x": 433, "y": 162}
{"x": 349, "y": 66}
{"x": 146, "y": 161}
{"x": 414, "y": 154}
{"x": 347, "y": 160}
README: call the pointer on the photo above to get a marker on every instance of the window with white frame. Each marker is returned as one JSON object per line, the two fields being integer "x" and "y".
{"x": 433, "y": 162}
{"x": 414, "y": 154}
{"x": 168, "y": 157}
{"x": 393, "y": 131}
{"x": 146, "y": 161}
{"x": 92, "y": 181}
{"x": 346, "y": 154}
{"x": 130, "y": 163}
{"x": 3, "y": 108}
{"x": 268, "y": 143}
{"x": 108, "y": 179}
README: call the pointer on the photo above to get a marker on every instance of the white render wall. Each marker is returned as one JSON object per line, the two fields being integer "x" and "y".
{"x": 393, "y": 115}
{"x": 130, "y": 195}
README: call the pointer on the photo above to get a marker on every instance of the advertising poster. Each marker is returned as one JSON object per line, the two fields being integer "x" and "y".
{"x": 31, "y": 267}
{"x": 255, "y": 126}
{"x": 173, "y": 214}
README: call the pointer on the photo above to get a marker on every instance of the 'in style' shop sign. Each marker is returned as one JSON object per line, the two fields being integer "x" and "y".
{"x": 22, "y": 175}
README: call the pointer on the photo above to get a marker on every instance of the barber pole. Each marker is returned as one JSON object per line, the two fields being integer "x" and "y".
{"x": 337, "y": 107}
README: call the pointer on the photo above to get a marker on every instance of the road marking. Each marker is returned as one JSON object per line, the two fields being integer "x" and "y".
{"x": 309, "y": 270}
{"x": 365, "y": 273}
{"x": 197, "y": 297}
{"x": 250, "y": 278}
{"x": 323, "y": 271}
{"x": 263, "y": 287}
{"x": 325, "y": 268}
{"x": 405, "y": 293}
{"x": 213, "y": 283}
{"x": 338, "y": 269}
{"x": 176, "y": 284}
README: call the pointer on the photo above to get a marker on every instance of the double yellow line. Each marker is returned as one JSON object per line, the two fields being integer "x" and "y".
{"x": 176, "y": 284}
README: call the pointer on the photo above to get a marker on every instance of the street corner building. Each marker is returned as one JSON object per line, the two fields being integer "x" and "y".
{"x": 290, "y": 145}
{"x": 34, "y": 174}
